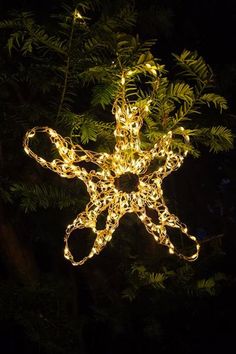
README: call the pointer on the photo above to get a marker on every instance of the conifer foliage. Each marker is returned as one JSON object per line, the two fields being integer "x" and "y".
{"x": 64, "y": 71}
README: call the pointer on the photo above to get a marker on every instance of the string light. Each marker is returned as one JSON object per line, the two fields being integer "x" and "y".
{"x": 78, "y": 15}
{"x": 106, "y": 186}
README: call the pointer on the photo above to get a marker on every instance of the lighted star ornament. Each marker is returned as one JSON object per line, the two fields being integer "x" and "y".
{"x": 105, "y": 185}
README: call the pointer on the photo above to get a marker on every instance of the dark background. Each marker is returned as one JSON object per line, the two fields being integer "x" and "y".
{"x": 55, "y": 308}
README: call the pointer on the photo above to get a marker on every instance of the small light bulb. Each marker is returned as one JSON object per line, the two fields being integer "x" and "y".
{"x": 77, "y": 15}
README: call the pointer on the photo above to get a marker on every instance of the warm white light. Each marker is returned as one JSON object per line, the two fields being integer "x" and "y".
{"x": 127, "y": 158}
{"x": 78, "y": 15}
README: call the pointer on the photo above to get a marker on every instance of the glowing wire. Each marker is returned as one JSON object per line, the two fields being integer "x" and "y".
{"x": 128, "y": 159}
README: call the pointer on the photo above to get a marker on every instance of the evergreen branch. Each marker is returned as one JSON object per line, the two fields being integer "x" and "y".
{"x": 67, "y": 67}
{"x": 183, "y": 113}
{"x": 194, "y": 67}
{"x": 156, "y": 280}
{"x": 5, "y": 195}
{"x": 15, "y": 39}
{"x": 38, "y": 35}
{"x": 97, "y": 74}
{"x": 103, "y": 94}
{"x": 28, "y": 33}
{"x": 209, "y": 285}
{"x": 150, "y": 121}
{"x": 140, "y": 277}
{"x": 17, "y": 22}
{"x": 33, "y": 197}
{"x": 217, "y": 138}
{"x": 87, "y": 132}
{"x": 9, "y": 24}
{"x": 211, "y": 98}
{"x": 180, "y": 91}
{"x": 180, "y": 146}
{"x": 123, "y": 20}
{"x": 89, "y": 129}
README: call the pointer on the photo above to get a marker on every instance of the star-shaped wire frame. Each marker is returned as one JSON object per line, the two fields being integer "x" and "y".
{"x": 128, "y": 159}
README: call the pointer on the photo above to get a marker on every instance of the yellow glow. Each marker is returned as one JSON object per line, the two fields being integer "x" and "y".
{"x": 78, "y": 15}
{"x": 127, "y": 158}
